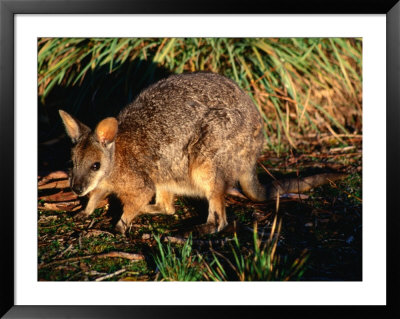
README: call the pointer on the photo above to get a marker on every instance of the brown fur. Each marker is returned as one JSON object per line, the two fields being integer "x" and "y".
{"x": 191, "y": 134}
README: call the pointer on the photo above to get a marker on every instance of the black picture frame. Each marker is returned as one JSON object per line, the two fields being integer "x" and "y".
{"x": 8, "y": 10}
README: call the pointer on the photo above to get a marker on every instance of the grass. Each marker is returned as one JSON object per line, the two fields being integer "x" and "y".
{"x": 177, "y": 264}
{"x": 302, "y": 86}
{"x": 259, "y": 263}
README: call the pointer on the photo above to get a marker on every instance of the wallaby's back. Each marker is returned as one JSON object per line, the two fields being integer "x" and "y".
{"x": 188, "y": 120}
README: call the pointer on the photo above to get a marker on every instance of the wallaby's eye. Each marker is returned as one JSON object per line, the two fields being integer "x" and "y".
{"x": 95, "y": 166}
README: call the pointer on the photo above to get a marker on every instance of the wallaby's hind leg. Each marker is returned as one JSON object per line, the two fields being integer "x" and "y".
{"x": 216, "y": 209}
{"x": 206, "y": 178}
{"x": 251, "y": 186}
{"x": 165, "y": 200}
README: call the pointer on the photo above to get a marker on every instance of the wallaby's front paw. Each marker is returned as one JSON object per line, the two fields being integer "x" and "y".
{"x": 222, "y": 225}
{"x": 170, "y": 210}
{"x": 81, "y": 216}
{"x": 121, "y": 227}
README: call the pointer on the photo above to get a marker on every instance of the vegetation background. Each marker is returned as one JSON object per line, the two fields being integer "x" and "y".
{"x": 303, "y": 87}
{"x": 308, "y": 91}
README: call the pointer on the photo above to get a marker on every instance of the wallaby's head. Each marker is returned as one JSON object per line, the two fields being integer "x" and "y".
{"x": 93, "y": 152}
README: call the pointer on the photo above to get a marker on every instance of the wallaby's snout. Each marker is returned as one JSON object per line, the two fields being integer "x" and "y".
{"x": 78, "y": 189}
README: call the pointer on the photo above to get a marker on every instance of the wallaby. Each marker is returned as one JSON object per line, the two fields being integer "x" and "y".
{"x": 195, "y": 134}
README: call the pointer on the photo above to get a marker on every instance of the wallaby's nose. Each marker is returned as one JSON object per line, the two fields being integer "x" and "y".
{"x": 78, "y": 189}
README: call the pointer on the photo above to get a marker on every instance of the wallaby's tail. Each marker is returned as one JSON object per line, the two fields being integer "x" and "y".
{"x": 301, "y": 184}
{"x": 252, "y": 188}
{"x": 257, "y": 192}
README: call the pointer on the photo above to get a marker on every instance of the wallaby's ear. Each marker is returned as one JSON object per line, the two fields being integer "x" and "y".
{"x": 74, "y": 128}
{"x": 106, "y": 130}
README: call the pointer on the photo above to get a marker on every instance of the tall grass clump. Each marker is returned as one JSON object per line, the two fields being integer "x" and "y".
{"x": 303, "y": 87}
{"x": 262, "y": 263}
{"x": 177, "y": 264}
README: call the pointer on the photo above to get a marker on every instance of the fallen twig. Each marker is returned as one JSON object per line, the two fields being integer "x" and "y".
{"x": 121, "y": 254}
{"x": 70, "y": 206}
{"x": 52, "y": 176}
{"x": 64, "y": 183}
{"x": 197, "y": 242}
{"x": 61, "y": 196}
{"x": 65, "y": 251}
{"x": 118, "y": 272}
{"x": 342, "y": 149}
